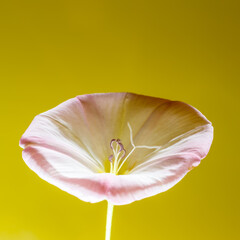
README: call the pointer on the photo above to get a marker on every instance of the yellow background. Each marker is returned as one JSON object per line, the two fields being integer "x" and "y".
{"x": 51, "y": 51}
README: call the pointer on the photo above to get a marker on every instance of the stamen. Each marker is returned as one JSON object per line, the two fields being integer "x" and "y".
{"x": 110, "y": 158}
{"x": 121, "y": 148}
{"x": 118, "y": 154}
{"x": 135, "y": 147}
{"x": 111, "y": 143}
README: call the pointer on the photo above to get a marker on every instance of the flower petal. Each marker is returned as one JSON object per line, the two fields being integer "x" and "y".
{"x": 68, "y": 145}
{"x": 174, "y": 127}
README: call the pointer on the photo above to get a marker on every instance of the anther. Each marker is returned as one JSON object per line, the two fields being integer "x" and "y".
{"x": 110, "y": 158}
{"x": 114, "y": 148}
{"x": 121, "y": 149}
{"x": 111, "y": 143}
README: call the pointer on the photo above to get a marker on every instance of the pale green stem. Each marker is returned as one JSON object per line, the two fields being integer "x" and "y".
{"x": 109, "y": 221}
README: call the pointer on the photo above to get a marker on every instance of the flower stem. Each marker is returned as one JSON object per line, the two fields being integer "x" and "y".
{"x": 109, "y": 221}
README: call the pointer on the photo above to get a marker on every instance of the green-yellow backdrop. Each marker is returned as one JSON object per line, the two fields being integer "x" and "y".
{"x": 51, "y": 51}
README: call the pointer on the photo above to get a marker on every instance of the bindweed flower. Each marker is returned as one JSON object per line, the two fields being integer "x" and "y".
{"x": 119, "y": 147}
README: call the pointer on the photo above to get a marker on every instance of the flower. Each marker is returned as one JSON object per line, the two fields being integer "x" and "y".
{"x": 119, "y": 147}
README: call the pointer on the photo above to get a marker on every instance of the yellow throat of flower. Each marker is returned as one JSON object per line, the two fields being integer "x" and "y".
{"x": 117, "y": 159}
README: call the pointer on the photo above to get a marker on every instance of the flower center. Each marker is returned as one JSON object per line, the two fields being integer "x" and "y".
{"x": 117, "y": 159}
{"x": 118, "y": 154}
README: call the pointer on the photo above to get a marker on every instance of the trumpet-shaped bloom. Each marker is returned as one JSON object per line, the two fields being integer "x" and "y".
{"x": 119, "y": 147}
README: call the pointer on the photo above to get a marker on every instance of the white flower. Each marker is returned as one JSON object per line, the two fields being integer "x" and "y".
{"x": 119, "y": 147}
